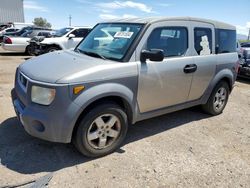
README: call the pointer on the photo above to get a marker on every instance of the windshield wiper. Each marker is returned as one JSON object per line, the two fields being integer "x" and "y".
{"x": 77, "y": 50}
{"x": 93, "y": 54}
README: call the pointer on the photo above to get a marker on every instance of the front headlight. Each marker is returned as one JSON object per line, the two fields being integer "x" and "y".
{"x": 42, "y": 95}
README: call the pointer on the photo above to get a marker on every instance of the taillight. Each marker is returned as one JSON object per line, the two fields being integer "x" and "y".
{"x": 7, "y": 40}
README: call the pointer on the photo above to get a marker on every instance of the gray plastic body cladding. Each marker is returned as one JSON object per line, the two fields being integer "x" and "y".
{"x": 57, "y": 118}
{"x": 125, "y": 88}
{"x": 60, "y": 117}
{"x": 225, "y": 68}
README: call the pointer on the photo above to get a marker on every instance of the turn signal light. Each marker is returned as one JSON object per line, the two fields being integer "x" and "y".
{"x": 78, "y": 89}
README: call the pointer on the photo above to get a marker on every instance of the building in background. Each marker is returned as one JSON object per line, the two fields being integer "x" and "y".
{"x": 11, "y": 11}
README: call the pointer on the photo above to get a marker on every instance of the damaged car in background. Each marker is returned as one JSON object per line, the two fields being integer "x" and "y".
{"x": 20, "y": 44}
{"x": 62, "y": 39}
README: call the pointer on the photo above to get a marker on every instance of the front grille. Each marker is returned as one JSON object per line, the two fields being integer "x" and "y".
{"x": 22, "y": 81}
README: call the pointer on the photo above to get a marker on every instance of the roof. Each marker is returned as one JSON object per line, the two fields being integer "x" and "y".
{"x": 80, "y": 27}
{"x": 149, "y": 20}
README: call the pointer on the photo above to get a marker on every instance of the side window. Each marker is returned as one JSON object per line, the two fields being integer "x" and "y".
{"x": 45, "y": 34}
{"x": 172, "y": 40}
{"x": 225, "y": 41}
{"x": 245, "y": 45}
{"x": 80, "y": 33}
{"x": 203, "y": 41}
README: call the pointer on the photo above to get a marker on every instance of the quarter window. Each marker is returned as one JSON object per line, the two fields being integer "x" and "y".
{"x": 172, "y": 40}
{"x": 225, "y": 41}
{"x": 203, "y": 41}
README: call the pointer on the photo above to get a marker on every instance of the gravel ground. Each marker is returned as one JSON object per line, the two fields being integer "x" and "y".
{"x": 181, "y": 149}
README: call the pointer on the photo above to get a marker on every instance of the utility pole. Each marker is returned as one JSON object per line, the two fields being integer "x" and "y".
{"x": 70, "y": 20}
{"x": 248, "y": 38}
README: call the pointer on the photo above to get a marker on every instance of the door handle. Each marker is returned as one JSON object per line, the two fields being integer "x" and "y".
{"x": 190, "y": 68}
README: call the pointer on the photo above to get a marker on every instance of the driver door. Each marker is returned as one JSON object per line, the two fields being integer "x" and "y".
{"x": 166, "y": 83}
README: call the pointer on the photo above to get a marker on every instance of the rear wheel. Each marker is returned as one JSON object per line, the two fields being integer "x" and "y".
{"x": 101, "y": 131}
{"x": 218, "y": 99}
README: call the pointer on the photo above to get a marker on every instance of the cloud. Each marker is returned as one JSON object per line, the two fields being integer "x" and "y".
{"x": 125, "y": 4}
{"x": 165, "y": 4}
{"x": 244, "y": 30}
{"x": 248, "y": 25}
{"x": 112, "y": 16}
{"x": 32, "y": 5}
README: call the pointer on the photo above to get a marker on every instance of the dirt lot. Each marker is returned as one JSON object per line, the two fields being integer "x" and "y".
{"x": 182, "y": 149}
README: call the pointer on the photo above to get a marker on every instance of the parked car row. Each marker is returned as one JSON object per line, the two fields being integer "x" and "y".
{"x": 243, "y": 50}
{"x": 21, "y": 43}
{"x": 36, "y": 40}
{"x": 244, "y": 69}
{"x": 62, "y": 39}
{"x": 23, "y": 30}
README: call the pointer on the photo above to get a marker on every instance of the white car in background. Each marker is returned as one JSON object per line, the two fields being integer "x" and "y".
{"x": 20, "y": 43}
{"x": 63, "y": 39}
{"x": 10, "y": 29}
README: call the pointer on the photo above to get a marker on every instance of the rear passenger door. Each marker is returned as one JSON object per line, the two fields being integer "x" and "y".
{"x": 203, "y": 50}
{"x": 163, "y": 84}
{"x": 79, "y": 35}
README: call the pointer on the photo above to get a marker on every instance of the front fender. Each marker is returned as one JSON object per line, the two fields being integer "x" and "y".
{"x": 93, "y": 93}
{"x": 104, "y": 90}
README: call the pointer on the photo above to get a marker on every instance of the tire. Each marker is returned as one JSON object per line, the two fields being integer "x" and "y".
{"x": 52, "y": 49}
{"x": 94, "y": 137}
{"x": 218, "y": 99}
{"x": 29, "y": 51}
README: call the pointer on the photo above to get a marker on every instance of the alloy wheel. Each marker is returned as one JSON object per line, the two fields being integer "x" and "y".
{"x": 104, "y": 131}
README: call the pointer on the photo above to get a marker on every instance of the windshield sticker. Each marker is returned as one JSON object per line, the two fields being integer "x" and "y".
{"x": 205, "y": 46}
{"x": 123, "y": 34}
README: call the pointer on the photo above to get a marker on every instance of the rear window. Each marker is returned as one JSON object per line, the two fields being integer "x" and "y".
{"x": 225, "y": 41}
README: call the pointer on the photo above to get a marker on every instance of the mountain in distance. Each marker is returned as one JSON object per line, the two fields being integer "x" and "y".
{"x": 241, "y": 37}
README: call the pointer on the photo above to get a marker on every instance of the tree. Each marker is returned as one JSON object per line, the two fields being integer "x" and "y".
{"x": 41, "y": 22}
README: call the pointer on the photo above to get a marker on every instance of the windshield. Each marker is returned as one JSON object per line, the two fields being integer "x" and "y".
{"x": 110, "y": 40}
{"x": 62, "y": 31}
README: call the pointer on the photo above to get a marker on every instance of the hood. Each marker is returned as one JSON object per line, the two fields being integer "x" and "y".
{"x": 55, "y": 66}
{"x": 51, "y": 40}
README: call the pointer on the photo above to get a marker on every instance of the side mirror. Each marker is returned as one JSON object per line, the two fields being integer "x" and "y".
{"x": 71, "y": 36}
{"x": 152, "y": 55}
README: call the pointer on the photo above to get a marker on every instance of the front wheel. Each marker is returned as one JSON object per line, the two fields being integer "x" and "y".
{"x": 218, "y": 99}
{"x": 101, "y": 131}
{"x": 52, "y": 49}
{"x": 29, "y": 50}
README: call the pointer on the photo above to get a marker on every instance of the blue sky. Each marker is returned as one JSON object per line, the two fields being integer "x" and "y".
{"x": 89, "y": 12}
